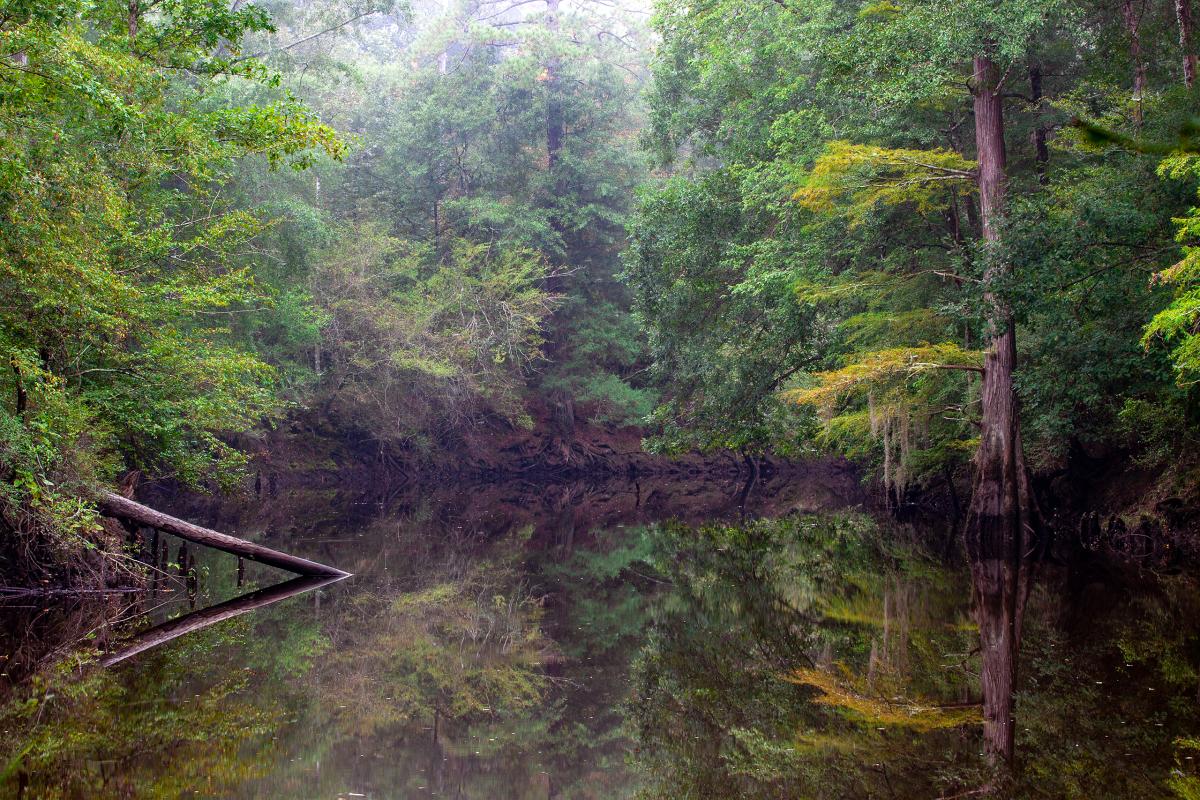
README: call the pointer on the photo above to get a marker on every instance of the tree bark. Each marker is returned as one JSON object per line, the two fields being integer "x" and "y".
{"x": 1041, "y": 152}
{"x": 22, "y": 397}
{"x": 1133, "y": 22}
{"x": 1183, "y": 13}
{"x": 556, "y": 283}
{"x": 1002, "y": 520}
{"x": 114, "y": 505}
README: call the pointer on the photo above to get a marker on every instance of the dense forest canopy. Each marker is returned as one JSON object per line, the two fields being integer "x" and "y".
{"x": 396, "y": 223}
{"x": 859, "y": 228}
{"x": 822, "y": 216}
{"x": 957, "y": 243}
{"x": 928, "y": 237}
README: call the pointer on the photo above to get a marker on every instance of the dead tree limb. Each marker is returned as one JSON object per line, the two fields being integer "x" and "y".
{"x": 114, "y": 505}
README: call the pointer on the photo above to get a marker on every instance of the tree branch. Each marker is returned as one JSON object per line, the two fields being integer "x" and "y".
{"x": 308, "y": 38}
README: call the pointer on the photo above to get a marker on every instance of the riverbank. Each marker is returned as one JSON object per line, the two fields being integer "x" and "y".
{"x": 308, "y": 451}
{"x": 1098, "y": 500}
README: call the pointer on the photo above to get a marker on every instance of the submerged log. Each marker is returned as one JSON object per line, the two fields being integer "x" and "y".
{"x": 197, "y": 620}
{"x": 114, "y": 505}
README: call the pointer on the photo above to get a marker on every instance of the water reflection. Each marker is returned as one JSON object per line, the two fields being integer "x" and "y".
{"x": 481, "y": 650}
{"x": 195, "y": 621}
{"x": 808, "y": 657}
{"x": 829, "y": 656}
{"x": 537, "y": 642}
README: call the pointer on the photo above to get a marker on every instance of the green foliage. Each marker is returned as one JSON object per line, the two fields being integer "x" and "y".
{"x": 726, "y": 328}
{"x": 825, "y": 150}
{"x": 414, "y": 346}
{"x": 457, "y": 148}
{"x": 865, "y": 176}
{"x": 1179, "y": 323}
{"x": 118, "y": 248}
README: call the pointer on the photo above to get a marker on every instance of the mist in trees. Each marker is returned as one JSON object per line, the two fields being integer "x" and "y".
{"x": 394, "y": 222}
{"x": 954, "y": 243}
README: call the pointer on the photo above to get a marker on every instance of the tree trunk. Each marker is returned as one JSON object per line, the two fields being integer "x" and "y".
{"x": 189, "y": 623}
{"x": 114, "y": 505}
{"x": 1041, "y": 152}
{"x": 554, "y": 115}
{"x": 1002, "y": 520}
{"x": 22, "y": 397}
{"x": 1133, "y": 22}
{"x": 1183, "y": 13}
{"x": 556, "y": 283}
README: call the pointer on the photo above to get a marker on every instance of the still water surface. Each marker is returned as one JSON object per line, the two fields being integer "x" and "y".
{"x": 570, "y": 641}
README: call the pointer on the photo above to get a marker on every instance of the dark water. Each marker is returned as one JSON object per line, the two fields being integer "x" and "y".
{"x": 568, "y": 641}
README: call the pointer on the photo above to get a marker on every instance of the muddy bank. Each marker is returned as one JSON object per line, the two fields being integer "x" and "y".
{"x": 307, "y": 453}
{"x": 1148, "y": 516}
{"x": 1100, "y": 500}
{"x": 555, "y": 509}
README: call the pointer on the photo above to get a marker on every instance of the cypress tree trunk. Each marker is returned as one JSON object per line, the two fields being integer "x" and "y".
{"x": 1002, "y": 520}
{"x": 1041, "y": 151}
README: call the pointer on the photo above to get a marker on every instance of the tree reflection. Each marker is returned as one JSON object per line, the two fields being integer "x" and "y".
{"x": 96, "y": 733}
{"x": 804, "y": 658}
{"x": 813, "y": 656}
{"x": 824, "y": 657}
{"x": 1001, "y": 559}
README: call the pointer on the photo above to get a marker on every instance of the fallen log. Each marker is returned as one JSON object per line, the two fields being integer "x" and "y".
{"x": 114, "y": 505}
{"x": 197, "y": 620}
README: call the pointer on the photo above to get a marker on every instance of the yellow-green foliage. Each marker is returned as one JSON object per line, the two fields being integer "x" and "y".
{"x": 849, "y": 693}
{"x": 883, "y": 8}
{"x": 416, "y": 341}
{"x": 902, "y": 394}
{"x": 1178, "y": 324}
{"x": 861, "y": 177}
{"x": 882, "y": 368}
{"x": 1183, "y": 785}
{"x": 911, "y": 325}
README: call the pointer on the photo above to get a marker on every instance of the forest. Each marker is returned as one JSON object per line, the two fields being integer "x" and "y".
{"x": 950, "y": 247}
